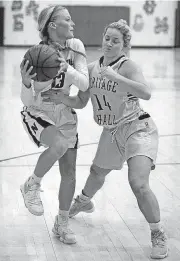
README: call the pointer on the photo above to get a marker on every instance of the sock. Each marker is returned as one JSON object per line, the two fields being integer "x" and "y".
{"x": 63, "y": 215}
{"x": 155, "y": 226}
{"x": 83, "y": 197}
{"x": 34, "y": 179}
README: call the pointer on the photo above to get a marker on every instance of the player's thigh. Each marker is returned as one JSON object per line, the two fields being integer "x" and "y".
{"x": 109, "y": 154}
{"x": 51, "y": 136}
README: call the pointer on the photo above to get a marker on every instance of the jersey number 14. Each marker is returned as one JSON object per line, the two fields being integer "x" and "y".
{"x": 102, "y": 104}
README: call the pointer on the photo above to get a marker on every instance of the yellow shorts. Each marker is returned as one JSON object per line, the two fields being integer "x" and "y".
{"x": 139, "y": 137}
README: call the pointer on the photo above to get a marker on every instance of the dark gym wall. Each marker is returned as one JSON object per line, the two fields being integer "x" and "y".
{"x": 177, "y": 26}
{"x": 1, "y": 25}
{"x": 91, "y": 20}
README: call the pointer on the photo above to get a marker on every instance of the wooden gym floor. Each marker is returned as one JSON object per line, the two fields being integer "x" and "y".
{"x": 116, "y": 231}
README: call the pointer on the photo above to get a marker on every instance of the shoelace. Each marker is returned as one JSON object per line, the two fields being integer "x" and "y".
{"x": 35, "y": 197}
{"x": 64, "y": 226}
{"x": 158, "y": 239}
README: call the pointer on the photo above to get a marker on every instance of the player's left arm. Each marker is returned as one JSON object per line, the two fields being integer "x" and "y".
{"x": 79, "y": 73}
{"x": 133, "y": 80}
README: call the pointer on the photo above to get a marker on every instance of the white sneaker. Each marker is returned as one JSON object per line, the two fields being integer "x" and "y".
{"x": 62, "y": 231}
{"x": 32, "y": 199}
{"x": 80, "y": 205}
{"x": 159, "y": 244}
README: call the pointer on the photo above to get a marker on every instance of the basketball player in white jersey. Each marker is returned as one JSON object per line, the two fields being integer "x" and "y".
{"x": 54, "y": 126}
{"x": 129, "y": 133}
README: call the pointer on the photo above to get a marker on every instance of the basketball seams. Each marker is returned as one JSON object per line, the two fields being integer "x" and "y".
{"x": 38, "y": 59}
{"x": 47, "y": 59}
{"x": 44, "y": 73}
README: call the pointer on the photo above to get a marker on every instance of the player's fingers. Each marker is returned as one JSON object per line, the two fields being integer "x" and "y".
{"x": 29, "y": 70}
{"x": 22, "y": 64}
{"x": 48, "y": 93}
{"x": 60, "y": 59}
{"x": 33, "y": 75}
{"x": 24, "y": 69}
{"x": 60, "y": 54}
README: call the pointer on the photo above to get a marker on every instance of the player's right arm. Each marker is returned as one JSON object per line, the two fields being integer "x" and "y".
{"x": 28, "y": 85}
{"x": 76, "y": 102}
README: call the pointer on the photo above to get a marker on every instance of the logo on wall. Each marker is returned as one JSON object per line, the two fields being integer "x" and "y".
{"x": 149, "y": 7}
{"x": 18, "y": 16}
{"x": 16, "y": 5}
{"x": 138, "y": 23}
{"x": 161, "y": 25}
{"x": 32, "y": 8}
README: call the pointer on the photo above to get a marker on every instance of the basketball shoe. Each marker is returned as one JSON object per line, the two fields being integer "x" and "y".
{"x": 32, "y": 200}
{"x": 159, "y": 244}
{"x": 62, "y": 230}
{"x": 81, "y": 204}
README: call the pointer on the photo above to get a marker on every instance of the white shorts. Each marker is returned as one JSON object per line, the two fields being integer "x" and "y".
{"x": 139, "y": 137}
{"x": 65, "y": 119}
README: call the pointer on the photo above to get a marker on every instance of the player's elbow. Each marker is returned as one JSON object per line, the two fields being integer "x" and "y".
{"x": 85, "y": 84}
{"x": 147, "y": 94}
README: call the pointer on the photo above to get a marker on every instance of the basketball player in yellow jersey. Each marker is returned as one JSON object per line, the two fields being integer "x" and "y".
{"x": 129, "y": 133}
{"x": 54, "y": 126}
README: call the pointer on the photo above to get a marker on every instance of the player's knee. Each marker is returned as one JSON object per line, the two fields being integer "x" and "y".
{"x": 139, "y": 188}
{"x": 99, "y": 173}
{"x": 59, "y": 146}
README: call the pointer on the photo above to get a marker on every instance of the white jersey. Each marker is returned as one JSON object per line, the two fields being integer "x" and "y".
{"x": 111, "y": 106}
{"x": 77, "y": 74}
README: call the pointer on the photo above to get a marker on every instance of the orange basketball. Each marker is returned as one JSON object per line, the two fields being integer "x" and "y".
{"x": 43, "y": 58}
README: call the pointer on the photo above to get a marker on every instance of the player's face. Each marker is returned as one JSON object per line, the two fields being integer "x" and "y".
{"x": 64, "y": 24}
{"x": 112, "y": 44}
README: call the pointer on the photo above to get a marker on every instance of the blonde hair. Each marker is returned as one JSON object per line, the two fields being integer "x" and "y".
{"x": 123, "y": 27}
{"x": 46, "y": 16}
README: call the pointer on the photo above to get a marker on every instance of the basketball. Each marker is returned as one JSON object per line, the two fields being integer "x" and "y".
{"x": 44, "y": 60}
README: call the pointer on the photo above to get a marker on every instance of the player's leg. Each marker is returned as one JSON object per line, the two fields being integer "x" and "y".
{"x": 67, "y": 166}
{"x": 107, "y": 157}
{"x": 94, "y": 182}
{"x": 43, "y": 132}
{"x": 141, "y": 150}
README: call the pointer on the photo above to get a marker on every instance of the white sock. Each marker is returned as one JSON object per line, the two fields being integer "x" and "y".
{"x": 63, "y": 216}
{"x": 155, "y": 226}
{"x": 64, "y": 213}
{"x": 82, "y": 197}
{"x": 34, "y": 179}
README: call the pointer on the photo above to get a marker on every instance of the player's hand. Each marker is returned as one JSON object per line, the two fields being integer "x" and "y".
{"x": 54, "y": 96}
{"x": 62, "y": 63}
{"x": 108, "y": 72}
{"x": 25, "y": 73}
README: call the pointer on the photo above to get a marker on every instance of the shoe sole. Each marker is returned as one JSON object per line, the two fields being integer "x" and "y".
{"x": 62, "y": 239}
{"x": 31, "y": 211}
{"x": 86, "y": 211}
{"x": 160, "y": 257}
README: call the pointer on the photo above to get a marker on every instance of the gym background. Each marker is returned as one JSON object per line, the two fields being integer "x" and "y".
{"x": 153, "y": 23}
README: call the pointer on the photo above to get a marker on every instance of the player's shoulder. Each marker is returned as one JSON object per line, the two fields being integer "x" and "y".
{"x": 130, "y": 66}
{"x": 76, "y": 44}
{"x": 92, "y": 65}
